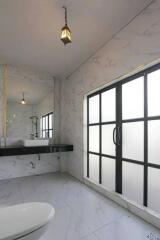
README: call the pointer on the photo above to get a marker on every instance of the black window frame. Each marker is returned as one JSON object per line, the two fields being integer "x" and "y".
{"x": 44, "y": 129}
{"x": 119, "y": 122}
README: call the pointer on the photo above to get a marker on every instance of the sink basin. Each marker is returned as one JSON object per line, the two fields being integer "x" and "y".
{"x": 35, "y": 142}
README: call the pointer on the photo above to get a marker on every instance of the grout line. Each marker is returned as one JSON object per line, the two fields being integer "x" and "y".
{"x": 106, "y": 224}
{"x": 101, "y": 227}
{"x": 99, "y": 48}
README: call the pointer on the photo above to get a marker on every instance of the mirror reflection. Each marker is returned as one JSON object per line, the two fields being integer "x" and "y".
{"x": 30, "y": 107}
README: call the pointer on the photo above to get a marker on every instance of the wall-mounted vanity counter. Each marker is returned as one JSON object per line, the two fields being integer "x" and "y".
{"x": 20, "y": 150}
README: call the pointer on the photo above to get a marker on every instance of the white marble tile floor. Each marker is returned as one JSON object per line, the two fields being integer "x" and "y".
{"x": 81, "y": 213}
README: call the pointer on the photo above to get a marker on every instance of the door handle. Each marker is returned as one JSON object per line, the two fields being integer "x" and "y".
{"x": 116, "y": 136}
{"x": 114, "y": 131}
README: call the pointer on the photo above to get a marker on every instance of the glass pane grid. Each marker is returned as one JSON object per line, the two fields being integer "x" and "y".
{"x": 144, "y": 163}
{"x": 108, "y": 106}
{"x": 94, "y": 139}
{"x": 94, "y": 109}
{"x": 102, "y": 155}
{"x": 153, "y": 80}
{"x": 108, "y": 173}
{"x": 153, "y": 141}
{"x": 47, "y": 126}
{"x": 133, "y": 190}
{"x": 133, "y": 120}
{"x": 101, "y": 123}
{"x": 133, "y": 141}
{"x": 108, "y": 147}
{"x": 146, "y": 118}
{"x": 94, "y": 168}
{"x": 133, "y": 99}
{"x": 153, "y": 189}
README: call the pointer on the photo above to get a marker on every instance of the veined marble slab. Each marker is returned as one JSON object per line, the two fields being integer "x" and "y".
{"x": 143, "y": 212}
{"x": 80, "y": 212}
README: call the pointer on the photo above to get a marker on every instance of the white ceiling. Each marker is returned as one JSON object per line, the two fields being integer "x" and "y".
{"x": 35, "y": 90}
{"x": 30, "y": 30}
{"x": 36, "y": 86}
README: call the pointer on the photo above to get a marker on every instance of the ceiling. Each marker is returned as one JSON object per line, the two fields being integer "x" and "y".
{"x": 30, "y": 30}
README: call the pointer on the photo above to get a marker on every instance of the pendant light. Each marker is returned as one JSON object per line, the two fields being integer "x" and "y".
{"x": 65, "y": 32}
{"x": 23, "y": 101}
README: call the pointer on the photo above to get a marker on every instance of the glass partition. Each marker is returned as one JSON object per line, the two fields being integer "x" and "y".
{"x": 124, "y": 135}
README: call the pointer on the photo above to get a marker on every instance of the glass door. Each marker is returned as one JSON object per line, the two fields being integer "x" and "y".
{"x": 102, "y": 137}
{"x": 108, "y": 138}
{"x": 153, "y": 130}
{"x": 123, "y": 135}
{"x": 133, "y": 139}
{"x": 93, "y": 139}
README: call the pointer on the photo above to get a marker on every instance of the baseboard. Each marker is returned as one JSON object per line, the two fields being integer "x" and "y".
{"x": 145, "y": 213}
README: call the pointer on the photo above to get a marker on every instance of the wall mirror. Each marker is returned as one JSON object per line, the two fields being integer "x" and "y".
{"x": 30, "y": 106}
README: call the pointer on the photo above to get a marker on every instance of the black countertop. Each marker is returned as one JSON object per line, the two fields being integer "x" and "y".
{"x": 20, "y": 150}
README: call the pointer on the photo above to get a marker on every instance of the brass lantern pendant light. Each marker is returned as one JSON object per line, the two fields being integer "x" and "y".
{"x": 65, "y": 32}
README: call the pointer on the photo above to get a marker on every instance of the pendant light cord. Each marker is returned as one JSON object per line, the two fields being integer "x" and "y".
{"x": 65, "y": 9}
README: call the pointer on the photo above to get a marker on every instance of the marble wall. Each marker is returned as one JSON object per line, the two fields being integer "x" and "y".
{"x": 19, "y": 125}
{"x": 137, "y": 44}
{"x": 19, "y": 166}
{"x": 1, "y": 102}
{"x": 46, "y": 105}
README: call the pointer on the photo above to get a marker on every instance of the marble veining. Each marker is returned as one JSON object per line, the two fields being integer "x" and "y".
{"x": 24, "y": 165}
{"x": 81, "y": 213}
{"x": 135, "y": 45}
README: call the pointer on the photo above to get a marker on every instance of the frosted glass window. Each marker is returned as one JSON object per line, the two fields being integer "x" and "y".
{"x": 94, "y": 109}
{"x": 46, "y": 122}
{"x": 133, "y": 140}
{"x": 108, "y": 147}
{"x": 153, "y": 93}
{"x": 133, "y": 99}
{"x": 50, "y": 121}
{"x": 108, "y": 105}
{"x": 94, "y": 138}
{"x": 154, "y": 189}
{"x": 108, "y": 173}
{"x": 43, "y": 134}
{"x": 153, "y": 141}
{"x": 94, "y": 167}
{"x": 50, "y": 133}
{"x": 40, "y": 127}
{"x": 132, "y": 181}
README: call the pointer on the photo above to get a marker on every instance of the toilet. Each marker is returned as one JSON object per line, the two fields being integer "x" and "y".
{"x": 27, "y": 221}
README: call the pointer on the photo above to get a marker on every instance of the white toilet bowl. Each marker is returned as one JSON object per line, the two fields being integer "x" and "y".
{"x": 26, "y": 221}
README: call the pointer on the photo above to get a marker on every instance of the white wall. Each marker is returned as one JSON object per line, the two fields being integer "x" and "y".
{"x": 137, "y": 44}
